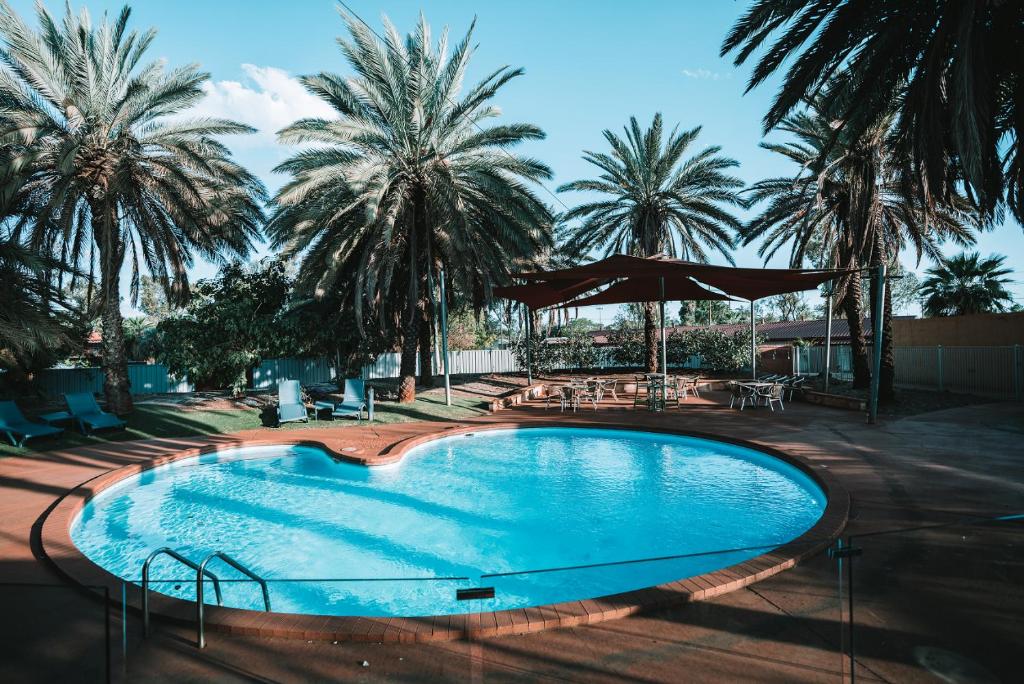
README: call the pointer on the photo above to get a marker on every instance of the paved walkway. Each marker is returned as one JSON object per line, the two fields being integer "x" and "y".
{"x": 936, "y": 602}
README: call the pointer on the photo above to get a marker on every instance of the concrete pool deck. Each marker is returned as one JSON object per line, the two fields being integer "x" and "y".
{"x": 917, "y": 612}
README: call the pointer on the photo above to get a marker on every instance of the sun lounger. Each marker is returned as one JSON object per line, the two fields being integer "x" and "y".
{"x": 13, "y": 424}
{"x": 88, "y": 415}
{"x": 289, "y": 402}
{"x": 354, "y": 402}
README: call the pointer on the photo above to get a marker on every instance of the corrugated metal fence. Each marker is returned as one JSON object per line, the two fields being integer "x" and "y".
{"x": 144, "y": 378}
{"x": 987, "y": 371}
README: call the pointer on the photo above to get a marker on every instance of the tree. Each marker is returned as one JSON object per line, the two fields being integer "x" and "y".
{"x": 967, "y": 284}
{"x": 709, "y": 312}
{"x": 407, "y": 179}
{"x": 654, "y": 201}
{"x": 113, "y": 168}
{"x": 35, "y": 320}
{"x": 951, "y": 68}
{"x": 789, "y": 307}
{"x": 231, "y": 324}
{"x": 848, "y": 207}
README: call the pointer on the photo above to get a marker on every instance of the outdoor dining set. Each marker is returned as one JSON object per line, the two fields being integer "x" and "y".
{"x": 656, "y": 391}
{"x": 767, "y": 390}
{"x": 651, "y": 390}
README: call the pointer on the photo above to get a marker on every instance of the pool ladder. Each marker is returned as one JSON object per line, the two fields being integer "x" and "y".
{"x": 201, "y": 573}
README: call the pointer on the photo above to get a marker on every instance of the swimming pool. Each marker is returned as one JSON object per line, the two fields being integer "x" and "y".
{"x": 478, "y": 507}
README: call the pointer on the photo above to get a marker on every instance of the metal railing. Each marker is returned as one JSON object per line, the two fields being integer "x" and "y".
{"x": 200, "y": 633}
{"x": 168, "y": 551}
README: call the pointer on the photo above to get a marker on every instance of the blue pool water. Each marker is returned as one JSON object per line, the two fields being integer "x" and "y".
{"x": 493, "y": 502}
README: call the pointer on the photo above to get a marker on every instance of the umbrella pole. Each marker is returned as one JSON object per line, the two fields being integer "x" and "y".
{"x": 444, "y": 342}
{"x": 753, "y": 343}
{"x": 664, "y": 343}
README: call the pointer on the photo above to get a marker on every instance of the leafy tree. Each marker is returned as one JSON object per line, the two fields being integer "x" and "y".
{"x": 153, "y": 300}
{"x": 951, "y": 68}
{"x": 231, "y": 324}
{"x": 906, "y": 289}
{"x": 543, "y": 357}
{"x": 405, "y": 179}
{"x": 699, "y": 313}
{"x": 578, "y": 351}
{"x": 967, "y": 284}
{"x": 654, "y": 201}
{"x": 789, "y": 307}
{"x": 715, "y": 348}
{"x": 629, "y": 347}
{"x": 113, "y": 169}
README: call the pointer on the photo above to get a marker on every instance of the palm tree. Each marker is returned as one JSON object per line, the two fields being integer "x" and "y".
{"x": 951, "y": 67}
{"x": 407, "y": 178}
{"x": 967, "y": 284}
{"x": 33, "y": 317}
{"x": 848, "y": 207}
{"x": 654, "y": 201}
{"x": 111, "y": 167}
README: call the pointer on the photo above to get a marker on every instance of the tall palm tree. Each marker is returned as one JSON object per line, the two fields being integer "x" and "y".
{"x": 407, "y": 178}
{"x": 113, "y": 170}
{"x": 654, "y": 201}
{"x": 953, "y": 68}
{"x": 967, "y": 284}
{"x": 848, "y": 207}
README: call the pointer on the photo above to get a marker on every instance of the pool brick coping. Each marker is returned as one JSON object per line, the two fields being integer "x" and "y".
{"x": 57, "y": 547}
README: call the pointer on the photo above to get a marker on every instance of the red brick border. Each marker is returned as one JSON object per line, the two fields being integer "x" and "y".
{"x": 57, "y": 546}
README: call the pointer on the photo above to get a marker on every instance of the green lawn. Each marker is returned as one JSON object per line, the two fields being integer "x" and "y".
{"x": 149, "y": 421}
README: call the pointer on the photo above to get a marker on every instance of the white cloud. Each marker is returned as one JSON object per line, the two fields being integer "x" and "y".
{"x": 705, "y": 74}
{"x": 268, "y": 100}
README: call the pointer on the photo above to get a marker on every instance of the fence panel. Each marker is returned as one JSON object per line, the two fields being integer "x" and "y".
{"x": 308, "y": 371}
{"x": 57, "y": 381}
{"x": 986, "y": 371}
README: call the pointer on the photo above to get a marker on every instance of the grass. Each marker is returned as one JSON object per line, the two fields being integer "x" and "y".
{"x": 149, "y": 421}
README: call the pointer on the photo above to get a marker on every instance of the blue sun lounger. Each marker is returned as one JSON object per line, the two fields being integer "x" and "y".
{"x": 88, "y": 415}
{"x": 289, "y": 402}
{"x": 354, "y": 402}
{"x": 14, "y": 423}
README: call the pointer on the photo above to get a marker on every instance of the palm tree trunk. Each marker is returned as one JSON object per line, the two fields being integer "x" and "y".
{"x": 116, "y": 387}
{"x": 852, "y": 307}
{"x": 426, "y": 357}
{"x": 887, "y": 374}
{"x": 651, "y": 336}
{"x": 413, "y": 315}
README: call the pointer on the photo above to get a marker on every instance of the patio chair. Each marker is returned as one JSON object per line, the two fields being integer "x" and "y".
{"x": 568, "y": 397}
{"x": 793, "y": 385}
{"x": 290, "y": 406}
{"x": 354, "y": 402}
{"x": 608, "y": 385}
{"x": 588, "y": 391}
{"x": 691, "y": 385}
{"x": 641, "y": 383}
{"x": 772, "y": 395}
{"x": 13, "y": 423}
{"x": 87, "y": 413}
{"x": 742, "y": 393}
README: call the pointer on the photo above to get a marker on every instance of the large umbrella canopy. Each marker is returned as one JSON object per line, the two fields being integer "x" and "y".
{"x": 543, "y": 294}
{"x": 649, "y": 290}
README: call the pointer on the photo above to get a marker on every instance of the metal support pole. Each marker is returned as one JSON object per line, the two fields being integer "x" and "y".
{"x": 753, "y": 343}
{"x": 529, "y": 344}
{"x": 664, "y": 340}
{"x": 444, "y": 342}
{"x": 876, "y": 325}
{"x": 828, "y": 336}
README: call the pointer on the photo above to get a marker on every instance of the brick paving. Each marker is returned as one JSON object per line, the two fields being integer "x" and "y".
{"x": 929, "y": 603}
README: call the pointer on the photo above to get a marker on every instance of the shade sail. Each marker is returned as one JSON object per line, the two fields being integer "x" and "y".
{"x": 748, "y": 283}
{"x": 541, "y": 294}
{"x": 649, "y": 290}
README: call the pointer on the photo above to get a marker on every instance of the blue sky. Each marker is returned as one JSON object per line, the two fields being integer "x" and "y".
{"x": 589, "y": 66}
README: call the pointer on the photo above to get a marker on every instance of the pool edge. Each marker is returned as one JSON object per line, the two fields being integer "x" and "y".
{"x": 57, "y": 547}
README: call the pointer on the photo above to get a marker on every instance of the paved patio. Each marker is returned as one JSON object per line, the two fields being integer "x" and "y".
{"x": 947, "y": 601}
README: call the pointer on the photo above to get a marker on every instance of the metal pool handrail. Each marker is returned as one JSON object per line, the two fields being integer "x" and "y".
{"x": 168, "y": 551}
{"x": 201, "y": 570}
